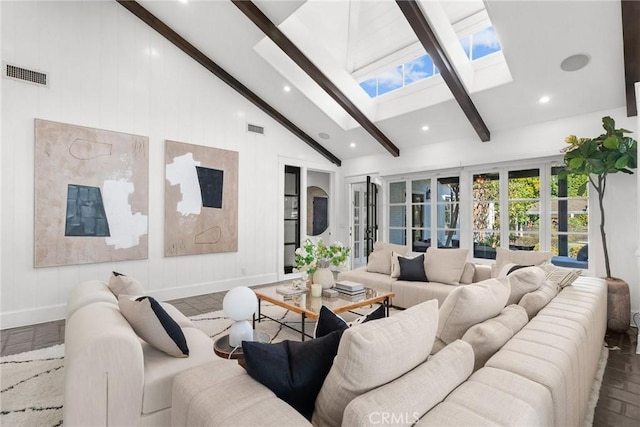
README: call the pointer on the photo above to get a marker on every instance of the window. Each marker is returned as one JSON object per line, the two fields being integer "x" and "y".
{"x": 397, "y": 213}
{"x": 569, "y": 220}
{"x": 420, "y": 215}
{"x": 486, "y": 215}
{"x": 433, "y": 221}
{"x": 448, "y": 212}
{"x": 524, "y": 209}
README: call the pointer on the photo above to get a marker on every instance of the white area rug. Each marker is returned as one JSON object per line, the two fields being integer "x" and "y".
{"x": 31, "y": 383}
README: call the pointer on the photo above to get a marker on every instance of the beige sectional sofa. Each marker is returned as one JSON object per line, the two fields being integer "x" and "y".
{"x": 381, "y": 274}
{"x": 112, "y": 377}
{"x": 541, "y": 376}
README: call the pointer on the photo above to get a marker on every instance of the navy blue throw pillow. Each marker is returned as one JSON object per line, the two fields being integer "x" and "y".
{"x": 412, "y": 269}
{"x": 294, "y": 371}
{"x": 328, "y": 322}
{"x": 516, "y": 268}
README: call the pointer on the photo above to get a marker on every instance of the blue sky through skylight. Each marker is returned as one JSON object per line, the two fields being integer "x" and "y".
{"x": 475, "y": 46}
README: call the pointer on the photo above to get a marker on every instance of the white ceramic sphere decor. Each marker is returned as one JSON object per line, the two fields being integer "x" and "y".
{"x": 239, "y": 304}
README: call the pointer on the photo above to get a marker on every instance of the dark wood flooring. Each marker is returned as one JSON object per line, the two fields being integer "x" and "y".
{"x": 618, "y": 405}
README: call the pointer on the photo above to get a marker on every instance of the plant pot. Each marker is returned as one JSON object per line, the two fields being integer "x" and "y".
{"x": 324, "y": 277}
{"x": 618, "y": 305}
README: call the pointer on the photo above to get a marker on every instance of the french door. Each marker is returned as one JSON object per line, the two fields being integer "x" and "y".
{"x": 364, "y": 220}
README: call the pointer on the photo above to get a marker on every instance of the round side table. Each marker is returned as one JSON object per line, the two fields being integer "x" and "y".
{"x": 222, "y": 348}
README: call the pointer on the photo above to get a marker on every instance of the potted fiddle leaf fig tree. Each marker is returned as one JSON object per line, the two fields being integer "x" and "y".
{"x": 597, "y": 158}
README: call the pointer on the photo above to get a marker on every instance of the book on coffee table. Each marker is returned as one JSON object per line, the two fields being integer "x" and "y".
{"x": 349, "y": 286}
{"x": 289, "y": 291}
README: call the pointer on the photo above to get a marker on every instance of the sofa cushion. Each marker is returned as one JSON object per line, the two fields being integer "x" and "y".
{"x": 445, "y": 265}
{"x": 468, "y": 305}
{"x": 522, "y": 280}
{"x": 160, "y": 369}
{"x": 412, "y": 269}
{"x": 504, "y": 256}
{"x": 373, "y": 354}
{"x": 120, "y": 284}
{"x": 294, "y": 371}
{"x": 392, "y": 247}
{"x": 408, "y": 294}
{"x": 415, "y": 393}
{"x": 561, "y": 276}
{"x": 154, "y": 325}
{"x": 379, "y": 282}
{"x": 535, "y": 301}
{"x": 379, "y": 262}
{"x": 467, "y": 273}
{"x": 489, "y": 336}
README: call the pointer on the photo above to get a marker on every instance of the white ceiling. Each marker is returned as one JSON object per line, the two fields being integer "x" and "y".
{"x": 535, "y": 36}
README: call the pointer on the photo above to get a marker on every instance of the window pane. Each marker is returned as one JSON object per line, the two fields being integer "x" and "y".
{"x": 448, "y": 218}
{"x": 371, "y": 87}
{"x": 397, "y": 236}
{"x": 420, "y": 191}
{"x": 397, "y": 216}
{"x": 397, "y": 192}
{"x": 485, "y": 242}
{"x": 485, "y": 42}
{"x": 421, "y": 216}
{"x": 524, "y": 209}
{"x": 390, "y": 80}
{"x": 569, "y": 219}
{"x": 421, "y": 239}
{"x": 465, "y": 42}
{"x": 418, "y": 69}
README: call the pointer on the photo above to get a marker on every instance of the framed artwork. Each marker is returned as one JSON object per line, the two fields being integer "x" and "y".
{"x": 201, "y": 200}
{"x": 91, "y": 195}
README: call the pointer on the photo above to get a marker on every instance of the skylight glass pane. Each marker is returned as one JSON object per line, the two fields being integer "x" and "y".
{"x": 369, "y": 86}
{"x": 390, "y": 80}
{"x": 466, "y": 45}
{"x": 485, "y": 42}
{"x": 418, "y": 69}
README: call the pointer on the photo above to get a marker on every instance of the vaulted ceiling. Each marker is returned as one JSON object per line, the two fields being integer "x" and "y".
{"x": 340, "y": 38}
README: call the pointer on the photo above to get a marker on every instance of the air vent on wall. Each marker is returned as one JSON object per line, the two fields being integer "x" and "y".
{"x": 24, "y": 74}
{"x": 255, "y": 129}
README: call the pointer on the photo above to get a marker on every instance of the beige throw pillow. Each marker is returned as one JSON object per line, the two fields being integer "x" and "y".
{"x": 379, "y": 262}
{"x": 391, "y": 247}
{"x": 120, "y": 284}
{"x": 375, "y": 353}
{"x": 489, "y": 336}
{"x": 445, "y": 265}
{"x": 561, "y": 276}
{"x": 468, "y": 305}
{"x": 468, "y": 273}
{"x": 535, "y": 301}
{"x": 522, "y": 280}
{"x": 504, "y": 256}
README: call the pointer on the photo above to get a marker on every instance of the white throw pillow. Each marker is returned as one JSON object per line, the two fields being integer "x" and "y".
{"x": 445, "y": 265}
{"x": 392, "y": 247}
{"x": 504, "y": 256}
{"x": 374, "y": 353}
{"x": 468, "y": 305}
{"x": 379, "y": 262}
{"x": 154, "y": 325}
{"x": 561, "y": 276}
{"x": 468, "y": 273}
{"x": 121, "y": 284}
{"x": 535, "y": 301}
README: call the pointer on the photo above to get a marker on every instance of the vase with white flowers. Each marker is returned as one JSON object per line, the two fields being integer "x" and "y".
{"x": 316, "y": 258}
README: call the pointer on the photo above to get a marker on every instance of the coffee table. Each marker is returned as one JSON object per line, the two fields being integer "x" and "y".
{"x": 309, "y": 307}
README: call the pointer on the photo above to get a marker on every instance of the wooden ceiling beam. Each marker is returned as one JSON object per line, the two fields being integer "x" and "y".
{"x": 151, "y": 20}
{"x": 631, "y": 43}
{"x": 283, "y": 42}
{"x": 418, "y": 22}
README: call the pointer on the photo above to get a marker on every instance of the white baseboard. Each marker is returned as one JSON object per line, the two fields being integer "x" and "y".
{"x": 33, "y": 316}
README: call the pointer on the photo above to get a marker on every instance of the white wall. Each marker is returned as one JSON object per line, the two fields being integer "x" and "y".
{"x": 101, "y": 77}
{"x": 531, "y": 142}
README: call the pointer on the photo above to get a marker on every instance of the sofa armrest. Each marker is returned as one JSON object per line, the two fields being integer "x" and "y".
{"x": 482, "y": 272}
{"x": 406, "y": 399}
{"x": 104, "y": 370}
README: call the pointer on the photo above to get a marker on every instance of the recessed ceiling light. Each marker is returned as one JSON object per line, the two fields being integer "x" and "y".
{"x": 575, "y": 62}
{"x": 544, "y": 99}
{"x": 183, "y": 1}
{"x": 425, "y": 128}
{"x": 352, "y": 145}
{"x": 151, "y": 52}
{"x": 323, "y": 135}
{"x": 287, "y": 88}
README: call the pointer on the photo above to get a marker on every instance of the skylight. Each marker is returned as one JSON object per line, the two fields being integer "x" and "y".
{"x": 476, "y": 46}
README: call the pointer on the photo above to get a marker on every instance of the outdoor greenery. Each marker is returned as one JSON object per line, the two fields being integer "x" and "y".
{"x": 597, "y": 158}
